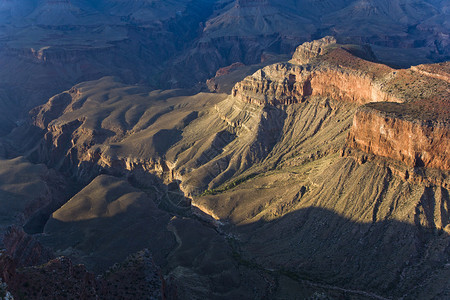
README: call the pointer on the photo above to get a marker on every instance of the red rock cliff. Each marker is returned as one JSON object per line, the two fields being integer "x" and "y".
{"x": 405, "y": 113}
{"x": 338, "y": 75}
{"x": 416, "y": 143}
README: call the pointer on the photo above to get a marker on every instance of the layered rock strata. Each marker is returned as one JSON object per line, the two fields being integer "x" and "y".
{"x": 417, "y": 143}
{"x": 309, "y": 50}
{"x": 413, "y": 128}
{"x": 337, "y": 75}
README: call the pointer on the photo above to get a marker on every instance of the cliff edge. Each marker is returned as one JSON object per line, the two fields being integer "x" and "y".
{"x": 403, "y": 114}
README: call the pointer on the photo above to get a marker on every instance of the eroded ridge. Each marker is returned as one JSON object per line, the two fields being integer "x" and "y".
{"x": 404, "y": 114}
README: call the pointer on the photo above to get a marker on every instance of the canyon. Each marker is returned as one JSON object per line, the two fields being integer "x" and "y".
{"x": 297, "y": 182}
{"x": 53, "y": 45}
{"x": 399, "y": 130}
{"x": 224, "y": 149}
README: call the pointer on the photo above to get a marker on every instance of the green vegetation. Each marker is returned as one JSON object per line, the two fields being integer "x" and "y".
{"x": 228, "y": 186}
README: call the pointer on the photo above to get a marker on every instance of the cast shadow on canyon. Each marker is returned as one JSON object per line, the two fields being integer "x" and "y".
{"x": 387, "y": 257}
{"x": 313, "y": 246}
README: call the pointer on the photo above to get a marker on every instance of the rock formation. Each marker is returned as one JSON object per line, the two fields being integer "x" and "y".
{"x": 60, "y": 278}
{"x": 297, "y": 183}
{"x": 338, "y": 75}
{"x": 413, "y": 129}
{"x": 305, "y": 52}
{"x": 418, "y": 143}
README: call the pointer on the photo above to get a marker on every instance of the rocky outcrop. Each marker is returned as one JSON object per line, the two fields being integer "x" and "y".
{"x": 413, "y": 128}
{"x": 135, "y": 278}
{"x": 305, "y": 52}
{"x": 24, "y": 249}
{"x": 416, "y": 132}
{"x": 230, "y": 68}
{"x": 52, "y": 109}
{"x": 288, "y": 83}
{"x": 212, "y": 83}
{"x": 416, "y": 143}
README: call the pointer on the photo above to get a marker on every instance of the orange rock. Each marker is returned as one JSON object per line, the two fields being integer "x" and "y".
{"x": 416, "y": 143}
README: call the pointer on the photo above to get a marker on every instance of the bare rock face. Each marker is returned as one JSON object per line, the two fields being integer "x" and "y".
{"x": 306, "y": 51}
{"x": 298, "y": 82}
{"x": 25, "y": 249}
{"x": 338, "y": 75}
{"x": 416, "y": 143}
{"x": 413, "y": 127}
{"x": 416, "y": 132}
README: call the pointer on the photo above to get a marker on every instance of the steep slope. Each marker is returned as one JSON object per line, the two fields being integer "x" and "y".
{"x": 28, "y": 191}
{"x": 76, "y": 41}
{"x": 293, "y": 170}
{"x": 106, "y": 221}
{"x": 48, "y": 46}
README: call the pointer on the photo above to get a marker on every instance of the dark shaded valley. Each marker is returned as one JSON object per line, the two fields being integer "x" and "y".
{"x": 224, "y": 149}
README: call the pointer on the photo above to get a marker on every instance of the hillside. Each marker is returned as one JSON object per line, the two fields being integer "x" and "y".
{"x": 326, "y": 175}
{"x": 49, "y": 46}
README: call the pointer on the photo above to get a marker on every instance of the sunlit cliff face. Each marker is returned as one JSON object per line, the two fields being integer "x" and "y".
{"x": 311, "y": 169}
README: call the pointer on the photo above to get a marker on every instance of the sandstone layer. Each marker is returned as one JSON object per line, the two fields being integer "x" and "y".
{"x": 417, "y": 129}
{"x": 259, "y": 197}
{"x": 338, "y": 75}
{"x": 418, "y": 143}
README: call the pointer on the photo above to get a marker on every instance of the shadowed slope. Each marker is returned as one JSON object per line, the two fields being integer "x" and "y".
{"x": 282, "y": 197}
{"x": 28, "y": 191}
{"x": 340, "y": 222}
{"x": 107, "y": 221}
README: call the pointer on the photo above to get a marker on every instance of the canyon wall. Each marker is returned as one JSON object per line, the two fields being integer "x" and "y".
{"x": 416, "y": 143}
{"x": 306, "y": 51}
{"x": 338, "y": 75}
{"x": 285, "y": 84}
{"x": 413, "y": 128}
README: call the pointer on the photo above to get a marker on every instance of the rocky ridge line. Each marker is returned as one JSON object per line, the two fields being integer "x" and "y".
{"x": 319, "y": 68}
{"x": 414, "y": 128}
